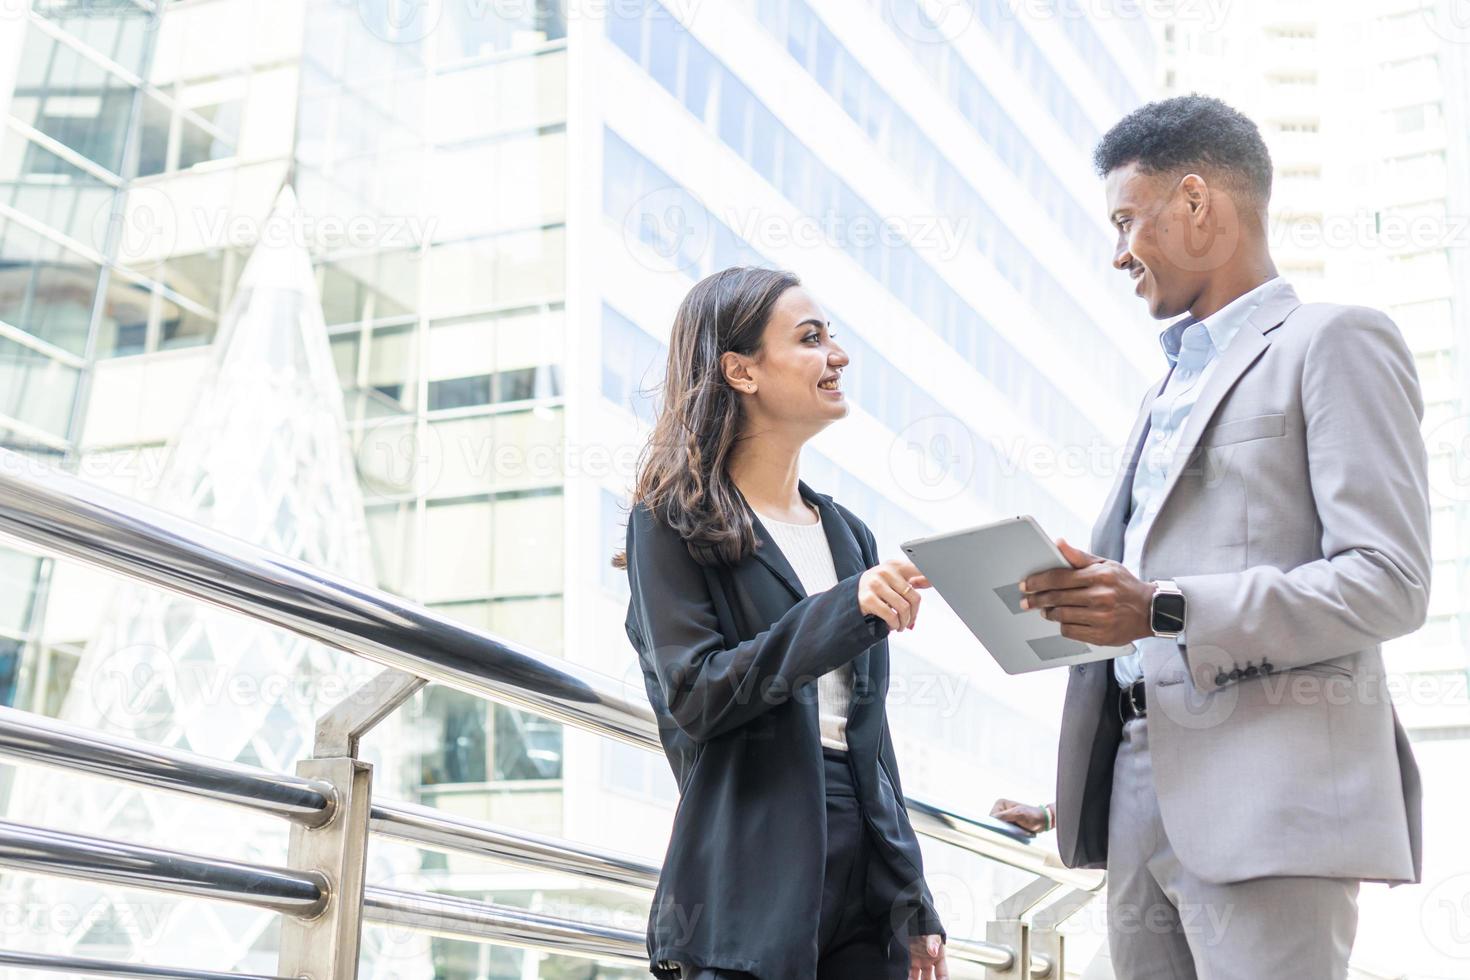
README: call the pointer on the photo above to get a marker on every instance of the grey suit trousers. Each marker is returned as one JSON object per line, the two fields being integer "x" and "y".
{"x": 1165, "y": 923}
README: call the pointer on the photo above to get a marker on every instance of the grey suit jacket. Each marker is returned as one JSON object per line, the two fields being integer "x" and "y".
{"x": 1296, "y": 523}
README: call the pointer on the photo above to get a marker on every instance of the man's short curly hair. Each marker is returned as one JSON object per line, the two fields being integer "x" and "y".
{"x": 1186, "y": 132}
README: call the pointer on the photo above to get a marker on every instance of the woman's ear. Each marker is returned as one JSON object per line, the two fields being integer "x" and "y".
{"x": 736, "y": 369}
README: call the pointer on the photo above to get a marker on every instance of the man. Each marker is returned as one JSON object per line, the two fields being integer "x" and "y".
{"x": 1242, "y": 768}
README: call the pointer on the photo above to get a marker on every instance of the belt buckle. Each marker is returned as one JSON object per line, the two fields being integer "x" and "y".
{"x": 1133, "y": 702}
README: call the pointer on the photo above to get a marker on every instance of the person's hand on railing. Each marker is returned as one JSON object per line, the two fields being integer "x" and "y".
{"x": 926, "y": 958}
{"x": 1033, "y": 819}
{"x": 890, "y": 591}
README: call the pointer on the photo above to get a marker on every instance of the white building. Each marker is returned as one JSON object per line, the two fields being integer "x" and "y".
{"x": 510, "y": 200}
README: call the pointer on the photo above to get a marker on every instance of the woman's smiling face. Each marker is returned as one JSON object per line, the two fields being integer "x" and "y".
{"x": 796, "y": 376}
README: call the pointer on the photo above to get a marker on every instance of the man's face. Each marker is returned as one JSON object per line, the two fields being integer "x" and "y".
{"x": 1159, "y": 237}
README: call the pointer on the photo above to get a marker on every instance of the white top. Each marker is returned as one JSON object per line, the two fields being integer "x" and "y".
{"x": 806, "y": 549}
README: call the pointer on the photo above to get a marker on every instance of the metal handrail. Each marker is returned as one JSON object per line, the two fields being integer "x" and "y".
{"x": 467, "y": 918}
{"x": 47, "y": 742}
{"x": 39, "y": 850}
{"x": 65, "y": 515}
{"x": 27, "y": 736}
{"x": 78, "y": 966}
{"x": 436, "y": 830}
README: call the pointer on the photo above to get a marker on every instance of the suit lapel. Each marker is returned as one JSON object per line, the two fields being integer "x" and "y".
{"x": 1107, "y": 534}
{"x": 1249, "y": 344}
{"x": 769, "y": 554}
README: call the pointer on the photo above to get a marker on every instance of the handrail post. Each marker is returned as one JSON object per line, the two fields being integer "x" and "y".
{"x": 1046, "y": 937}
{"x": 1009, "y": 927}
{"x": 327, "y": 947}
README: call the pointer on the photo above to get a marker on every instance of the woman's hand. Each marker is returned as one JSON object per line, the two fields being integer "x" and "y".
{"x": 926, "y": 958}
{"x": 1030, "y": 818}
{"x": 890, "y": 591}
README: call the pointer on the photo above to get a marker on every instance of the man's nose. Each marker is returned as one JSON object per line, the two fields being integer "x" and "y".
{"x": 1122, "y": 258}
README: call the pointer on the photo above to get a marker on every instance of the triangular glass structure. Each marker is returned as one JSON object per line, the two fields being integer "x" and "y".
{"x": 264, "y": 456}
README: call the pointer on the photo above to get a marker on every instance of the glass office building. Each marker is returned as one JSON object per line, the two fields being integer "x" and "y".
{"x": 504, "y": 204}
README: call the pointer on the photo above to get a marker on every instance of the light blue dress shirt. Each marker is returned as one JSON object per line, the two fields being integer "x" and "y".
{"x": 1192, "y": 347}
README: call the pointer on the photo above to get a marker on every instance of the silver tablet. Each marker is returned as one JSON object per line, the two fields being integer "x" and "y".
{"x": 978, "y": 572}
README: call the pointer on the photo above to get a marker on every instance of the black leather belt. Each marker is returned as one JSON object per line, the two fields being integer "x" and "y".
{"x": 1131, "y": 702}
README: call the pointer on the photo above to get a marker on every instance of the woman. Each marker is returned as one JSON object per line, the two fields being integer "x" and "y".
{"x": 760, "y": 613}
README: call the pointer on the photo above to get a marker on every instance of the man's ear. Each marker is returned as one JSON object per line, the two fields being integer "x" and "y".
{"x": 1196, "y": 194}
{"x": 736, "y": 369}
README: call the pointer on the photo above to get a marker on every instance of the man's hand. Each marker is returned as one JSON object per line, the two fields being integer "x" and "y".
{"x": 926, "y": 958}
{"x": 1097, "y": 601}
{"x": 1029, "y": 818}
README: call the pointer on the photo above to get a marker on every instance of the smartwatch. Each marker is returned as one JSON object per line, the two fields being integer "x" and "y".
{"x": 1166, "y": 610}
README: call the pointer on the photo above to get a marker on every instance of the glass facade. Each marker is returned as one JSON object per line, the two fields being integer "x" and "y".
{"x": 482, "y": 327}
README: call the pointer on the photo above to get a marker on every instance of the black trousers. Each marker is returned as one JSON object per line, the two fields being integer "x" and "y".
{"x": 851, "y": 944}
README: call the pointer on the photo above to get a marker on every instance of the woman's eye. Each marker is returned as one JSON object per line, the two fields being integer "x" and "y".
{"x": 813, "y": 336}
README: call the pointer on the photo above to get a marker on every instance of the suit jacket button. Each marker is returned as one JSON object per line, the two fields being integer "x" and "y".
{"x": 1221, "y": 679}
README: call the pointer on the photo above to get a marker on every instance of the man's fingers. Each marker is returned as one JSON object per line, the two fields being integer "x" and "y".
{"x": 1055, "y": 579}
{"x": 1076, "y": 615}
{"x": 1076, "y": 556}
{"x": 1083, "y": 634}
{"x": 1086, "y": 596}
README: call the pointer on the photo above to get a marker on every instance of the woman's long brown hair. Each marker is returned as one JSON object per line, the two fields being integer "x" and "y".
{"x": 681, "y": 471}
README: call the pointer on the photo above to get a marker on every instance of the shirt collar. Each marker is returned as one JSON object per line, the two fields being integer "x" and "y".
{"x": 1223, "y": 324}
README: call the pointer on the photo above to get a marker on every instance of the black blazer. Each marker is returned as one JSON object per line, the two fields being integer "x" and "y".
{"x": 730, "y": 657}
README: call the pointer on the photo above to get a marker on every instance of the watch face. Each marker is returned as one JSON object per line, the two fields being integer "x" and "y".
{"x": 1168, "y": 614}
